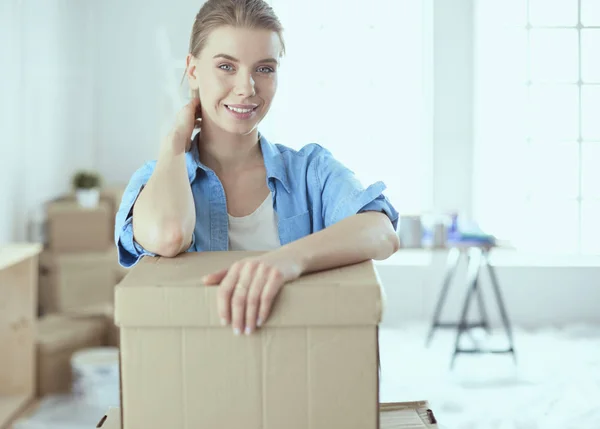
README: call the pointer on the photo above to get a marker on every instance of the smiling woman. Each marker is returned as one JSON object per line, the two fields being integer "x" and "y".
{"x": 229, "y": 188}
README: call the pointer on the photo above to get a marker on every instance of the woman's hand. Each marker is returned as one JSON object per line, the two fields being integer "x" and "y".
{"x": 249, "y": 287}
{"x": 187, "y": 119}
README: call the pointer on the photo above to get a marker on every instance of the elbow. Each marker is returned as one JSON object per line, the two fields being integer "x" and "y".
{"x": 170, "y": 241}
{"x": 165, "y": 239}
{"x": 388, "y": 244}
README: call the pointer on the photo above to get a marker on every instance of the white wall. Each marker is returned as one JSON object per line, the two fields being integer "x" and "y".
{"x": 133, "y": 62}
{"x": 453, "y": 105}
{"x": 10, "y": 84}
{"x": 48, "y": 109}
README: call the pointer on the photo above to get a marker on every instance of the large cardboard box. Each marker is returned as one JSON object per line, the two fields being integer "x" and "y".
{"x": 402, "y": 415}
{"x": 76, "y": 280}
{"x": 58, "y": 337}
{"x": 313, "y": 364}
{"x": 18, "y": 311}
{"x": 72, "y": 228}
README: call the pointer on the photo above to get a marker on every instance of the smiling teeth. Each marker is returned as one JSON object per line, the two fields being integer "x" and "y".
{"x": 235, "y": 109}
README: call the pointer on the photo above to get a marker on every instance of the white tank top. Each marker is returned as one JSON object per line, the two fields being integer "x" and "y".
{"x": 257, "y": 231}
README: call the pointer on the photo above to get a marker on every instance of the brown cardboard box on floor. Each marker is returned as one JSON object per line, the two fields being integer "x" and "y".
{"x": 58, "y": 337}
{"x": 76, "y": 280}
{"x": 402, "y": 415}
{"x": 104, "y": 312}
{"x": 18, "y": 312}
{"x": 72, "y": 228}
{"x": 314, "y": 363}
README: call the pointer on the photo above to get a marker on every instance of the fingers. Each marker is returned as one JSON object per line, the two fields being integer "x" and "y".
{"x": 238, "y": 300}
{"x": 225, "y": 293}
{"x": 215, "y": 278}
{"x": 246, "y": 294}
{"x": 269, "y": 292}
{"x": 253, "y": 299}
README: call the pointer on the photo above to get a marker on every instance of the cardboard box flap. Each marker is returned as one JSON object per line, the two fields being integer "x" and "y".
{"x": 55, "y": 332}
{"x": 168, "y": 292}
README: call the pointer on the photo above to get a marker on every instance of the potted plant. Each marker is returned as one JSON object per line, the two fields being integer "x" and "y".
{"x": 87, "y": 188}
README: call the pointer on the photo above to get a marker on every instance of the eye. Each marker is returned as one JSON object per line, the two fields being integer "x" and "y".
{"x": 266, "y": 69}
{"x": 224, "y": 67}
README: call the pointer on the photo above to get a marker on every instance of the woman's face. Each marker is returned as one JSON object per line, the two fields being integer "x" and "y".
{"x": 236, "y": 77}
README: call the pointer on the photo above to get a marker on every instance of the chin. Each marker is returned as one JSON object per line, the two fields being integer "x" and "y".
{"x": 241, "y": 130}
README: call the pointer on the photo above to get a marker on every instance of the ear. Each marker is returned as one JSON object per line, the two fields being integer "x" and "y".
{"x": 191, "y": 72}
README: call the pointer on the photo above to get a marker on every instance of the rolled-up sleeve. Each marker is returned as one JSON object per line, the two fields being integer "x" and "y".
{"x": 129, "y": 250}
{"x": 343, "y": 194}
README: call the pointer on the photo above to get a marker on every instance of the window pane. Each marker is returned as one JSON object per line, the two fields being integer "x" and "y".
{"x": 549, "y": 226}
{"x": 554, "y": 112}
{"x": 590, "y": 60}
{"x": 555, "y": 12}
{"x": 590, "y": 12}
{"x": 590, "y": 161}
{"x": 590, "y": 227}
{"x": 497, "y": 14}
{"x": 554, "y": 170}
{"x": 590, "y": 105}
{"x": 554, "y": 56}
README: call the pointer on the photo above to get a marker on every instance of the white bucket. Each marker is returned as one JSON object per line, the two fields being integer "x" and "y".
{"x": 96, "y": 376}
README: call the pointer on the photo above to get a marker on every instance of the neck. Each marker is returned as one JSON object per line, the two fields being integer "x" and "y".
{"x": 223, "y": 151}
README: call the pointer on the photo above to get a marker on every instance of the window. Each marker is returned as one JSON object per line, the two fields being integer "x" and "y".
{"x": 354, "y": 79}
{"x": 537, "y": 133}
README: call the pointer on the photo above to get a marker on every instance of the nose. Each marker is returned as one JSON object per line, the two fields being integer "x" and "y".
{"x": 244, "y": 85}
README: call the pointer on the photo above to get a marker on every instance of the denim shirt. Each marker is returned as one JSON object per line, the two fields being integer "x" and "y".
{"x": 311, "y": 190}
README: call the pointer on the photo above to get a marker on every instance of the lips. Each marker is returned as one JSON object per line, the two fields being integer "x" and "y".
{"x": 241, "y": 108}
{"x": 241, "y": 111}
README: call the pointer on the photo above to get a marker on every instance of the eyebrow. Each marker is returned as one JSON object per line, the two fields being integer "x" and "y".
{"x": 235, "y": 60}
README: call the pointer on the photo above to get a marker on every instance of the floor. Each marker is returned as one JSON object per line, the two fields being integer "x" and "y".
{"x": 555, "y": 384}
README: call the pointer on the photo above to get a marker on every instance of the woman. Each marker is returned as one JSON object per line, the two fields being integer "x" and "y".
{"x": 229, "y": 188}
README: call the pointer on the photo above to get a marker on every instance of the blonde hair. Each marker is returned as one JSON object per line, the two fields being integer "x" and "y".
{"x": 256, "y": 14}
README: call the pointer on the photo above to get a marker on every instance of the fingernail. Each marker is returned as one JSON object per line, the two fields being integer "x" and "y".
{"x": 259, "y": 323}
{"x": 247, "y": 331}
{"x": 236, "y": 331}
{"x": 223, "y": 322}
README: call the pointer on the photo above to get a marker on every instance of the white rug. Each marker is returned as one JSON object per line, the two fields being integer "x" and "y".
{"x": 555, "y": 384}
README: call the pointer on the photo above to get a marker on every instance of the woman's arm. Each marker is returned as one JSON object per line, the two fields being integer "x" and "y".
{"x": 248, "y": 289}
{"x": 358, "y": 238}
{"x": 164, "y": 215}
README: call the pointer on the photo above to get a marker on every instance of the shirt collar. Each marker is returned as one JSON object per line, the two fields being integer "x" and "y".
{"x": 274, "y": 163}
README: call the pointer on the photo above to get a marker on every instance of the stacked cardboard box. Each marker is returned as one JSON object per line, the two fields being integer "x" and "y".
{"x": 313, "y": 364}
{"x": 59, "y": 336}
{"x": 79, "y": 266}
{"x": 18, "y": 301}
{"x": 78, "y": 270}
